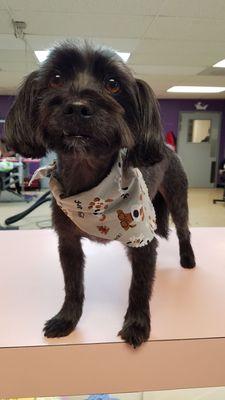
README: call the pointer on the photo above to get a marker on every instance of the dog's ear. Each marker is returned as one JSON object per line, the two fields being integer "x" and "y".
{"x": 21, "y": 122}
{"x": 149, "y": 147}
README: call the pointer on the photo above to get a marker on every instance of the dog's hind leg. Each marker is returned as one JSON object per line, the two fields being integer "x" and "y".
{"x": 136, "y": 327}
{"x": 174, "y": 190}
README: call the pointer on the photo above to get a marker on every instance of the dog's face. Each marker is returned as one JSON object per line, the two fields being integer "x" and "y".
{"x": 86, "y": 101}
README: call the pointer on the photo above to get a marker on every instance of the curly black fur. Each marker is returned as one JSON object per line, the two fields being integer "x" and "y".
{"x": 65, "y": 106}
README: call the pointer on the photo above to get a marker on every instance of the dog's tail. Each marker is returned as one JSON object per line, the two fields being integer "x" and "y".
{"x": 162, "y": 215}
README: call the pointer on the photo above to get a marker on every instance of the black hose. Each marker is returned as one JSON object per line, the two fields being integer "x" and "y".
{"x": 43, "y": 199}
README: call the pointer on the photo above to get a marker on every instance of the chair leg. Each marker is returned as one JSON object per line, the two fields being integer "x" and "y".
{"x": 220, "y": 200}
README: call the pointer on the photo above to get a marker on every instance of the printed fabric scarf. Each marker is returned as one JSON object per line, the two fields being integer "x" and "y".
{"x": 118, "y": 208}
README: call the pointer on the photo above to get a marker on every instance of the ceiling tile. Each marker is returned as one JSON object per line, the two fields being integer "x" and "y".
{"x": 18, "y": 67}
{"x": 181, "y": 8}
{"x": 184, "y": 37}
{"x": 166, "y": 69}
{"x": 194, "y": 8}
{"x": 169, "y": 52}
{"x": 213, "y": 71}
{"x": 201, "y": 80}
{"x": 125, "y": 7}
{"x": 72, "y": 25}
{"x": 186, "y": 29}
{"x": 3, "y": 5}
{"x": 14, "y": 56}
{"x": 212, "y": 9}
{"x": 9, "y": 42}
{"x": 45, "y": 42}
{"x": 159, "y": 85}
{"x": 5, "y": 23}
{"x": 11, "y": 80}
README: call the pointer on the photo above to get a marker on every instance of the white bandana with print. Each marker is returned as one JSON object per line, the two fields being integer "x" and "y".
{"x": 118, "y": 208}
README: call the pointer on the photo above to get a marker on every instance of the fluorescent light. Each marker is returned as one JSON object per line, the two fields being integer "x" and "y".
{"x": 124, "y": 56}
{"x": 196, "y": 89}
{"x": 220, "y": 64}
{"x": 43, "y": 54}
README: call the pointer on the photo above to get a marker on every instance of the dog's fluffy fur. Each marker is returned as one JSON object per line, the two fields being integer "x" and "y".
{"x": 85, "y": 104}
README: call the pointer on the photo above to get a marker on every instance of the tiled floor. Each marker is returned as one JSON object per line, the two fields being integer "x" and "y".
{"x": 202, "y": 211}
{"x": 187, "y": 394}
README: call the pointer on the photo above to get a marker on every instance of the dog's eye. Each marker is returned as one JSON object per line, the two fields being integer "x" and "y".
{"x": 56, "y": 81}
{"x": 112, "y": 85}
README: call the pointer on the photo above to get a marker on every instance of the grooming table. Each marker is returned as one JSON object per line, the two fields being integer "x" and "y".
{"x": 187, "y": 346}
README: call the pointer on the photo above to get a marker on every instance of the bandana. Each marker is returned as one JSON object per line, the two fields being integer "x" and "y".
{"x": 118, "y": 208}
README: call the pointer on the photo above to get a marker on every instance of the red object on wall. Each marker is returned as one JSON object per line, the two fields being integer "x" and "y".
{"x": 171, "y": 140}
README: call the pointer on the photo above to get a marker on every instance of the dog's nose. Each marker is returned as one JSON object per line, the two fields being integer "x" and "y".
{"x": 78, "y": 107}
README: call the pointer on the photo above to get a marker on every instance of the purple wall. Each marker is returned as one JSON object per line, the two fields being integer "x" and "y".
{"x": 170, "y": 110}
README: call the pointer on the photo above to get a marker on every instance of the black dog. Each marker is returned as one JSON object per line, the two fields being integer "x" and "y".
{"x": 85, "y": 104}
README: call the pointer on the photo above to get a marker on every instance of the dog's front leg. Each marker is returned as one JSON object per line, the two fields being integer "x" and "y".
{"x": 72, "y": 261}
{"x": 137, "y": 325}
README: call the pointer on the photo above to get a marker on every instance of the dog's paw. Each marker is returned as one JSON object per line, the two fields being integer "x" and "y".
{"x": 135, "y": 331}
{"x": 187, "y": 257}
{"x": 58, "y": 327}
{"x": 187, "y": 261}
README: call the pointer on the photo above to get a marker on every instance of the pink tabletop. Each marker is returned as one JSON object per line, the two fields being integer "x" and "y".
{"x": 185, "y": 304}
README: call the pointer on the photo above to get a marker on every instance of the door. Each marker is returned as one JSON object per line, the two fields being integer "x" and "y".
{"x": 198, "y": 146}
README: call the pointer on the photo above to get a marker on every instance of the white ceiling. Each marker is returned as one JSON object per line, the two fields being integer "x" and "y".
{"x": 171, "y": 41}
